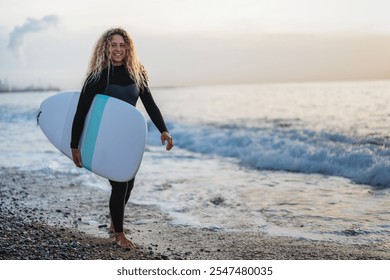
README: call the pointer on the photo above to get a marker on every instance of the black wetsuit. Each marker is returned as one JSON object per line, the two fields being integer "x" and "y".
{"x": 121, "y": 86}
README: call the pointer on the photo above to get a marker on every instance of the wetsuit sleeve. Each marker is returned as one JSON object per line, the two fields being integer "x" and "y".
{"x": 90, "y": 89}
{"x": 152, "y": 109}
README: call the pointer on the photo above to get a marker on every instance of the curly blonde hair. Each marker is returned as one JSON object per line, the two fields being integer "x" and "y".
{"x": 100, "y": 58}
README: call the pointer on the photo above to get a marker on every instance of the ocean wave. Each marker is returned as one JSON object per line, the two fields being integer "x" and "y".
{"x": 363, "y": 161}
{"x": 16, "y": 115}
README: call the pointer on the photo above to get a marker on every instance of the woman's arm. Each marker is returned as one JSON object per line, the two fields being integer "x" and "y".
{"x": 156, "y": 117}
{"x": 90, "y": 89}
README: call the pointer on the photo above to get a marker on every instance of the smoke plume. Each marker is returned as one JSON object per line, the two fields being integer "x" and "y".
{"x": 31, "y": 25}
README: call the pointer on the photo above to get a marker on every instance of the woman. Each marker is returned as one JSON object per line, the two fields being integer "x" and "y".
{"x": 115, "y": 70}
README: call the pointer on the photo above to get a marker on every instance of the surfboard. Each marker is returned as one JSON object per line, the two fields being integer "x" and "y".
{"x": 113, "y": 139}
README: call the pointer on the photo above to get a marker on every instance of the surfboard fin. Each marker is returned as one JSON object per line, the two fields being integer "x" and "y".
{"x": 38, "y": 117}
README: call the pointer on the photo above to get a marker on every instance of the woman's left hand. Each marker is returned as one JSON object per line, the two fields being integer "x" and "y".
{"x": 165, "y": 136}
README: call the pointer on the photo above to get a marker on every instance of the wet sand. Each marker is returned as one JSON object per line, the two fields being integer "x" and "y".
{"x": 46, "y": 216}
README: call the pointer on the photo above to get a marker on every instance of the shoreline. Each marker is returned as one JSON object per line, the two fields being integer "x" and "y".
{"x": 46, "y": 216}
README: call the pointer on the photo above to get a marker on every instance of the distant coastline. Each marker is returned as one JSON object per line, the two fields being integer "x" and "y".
{"x": 29, "y": 89}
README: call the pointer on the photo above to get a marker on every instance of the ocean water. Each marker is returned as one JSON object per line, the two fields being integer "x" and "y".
{"x": 309, "y": 160}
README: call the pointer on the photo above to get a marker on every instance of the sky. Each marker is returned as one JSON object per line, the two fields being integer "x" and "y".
{"x": 196, "y": 42}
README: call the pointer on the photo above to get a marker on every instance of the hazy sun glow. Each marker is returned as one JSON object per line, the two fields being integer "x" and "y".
{"x": 198, "y": 42}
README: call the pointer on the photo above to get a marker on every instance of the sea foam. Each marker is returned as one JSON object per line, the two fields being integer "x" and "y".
{"x": 288, "y": 149}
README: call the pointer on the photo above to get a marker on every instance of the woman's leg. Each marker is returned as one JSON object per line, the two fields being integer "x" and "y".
{"x": 117, "y": 204}
{"x": 114, "y": 199}
{"x": 120, "y": 194}
{"x": 130, "y": 186}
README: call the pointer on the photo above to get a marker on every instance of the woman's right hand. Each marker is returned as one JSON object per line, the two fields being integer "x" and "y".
{"x": 76, "y": 155}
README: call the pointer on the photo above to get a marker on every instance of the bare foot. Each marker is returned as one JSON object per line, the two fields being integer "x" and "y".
{"x": 111, "y": 231}
{"x": 111, "y": 228}
{"x": 121, "y": 240}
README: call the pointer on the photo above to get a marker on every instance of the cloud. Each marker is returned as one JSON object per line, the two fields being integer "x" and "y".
{"x": 31, "y": 25}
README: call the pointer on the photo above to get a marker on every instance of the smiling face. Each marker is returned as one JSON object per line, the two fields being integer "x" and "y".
{"x": 117, "y": 49}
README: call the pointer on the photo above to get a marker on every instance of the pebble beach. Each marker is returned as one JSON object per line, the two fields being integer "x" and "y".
{"x": 46, "y": 217}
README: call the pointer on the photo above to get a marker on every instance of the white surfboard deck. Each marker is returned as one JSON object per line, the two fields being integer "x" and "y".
{"x": 113, "y": 139}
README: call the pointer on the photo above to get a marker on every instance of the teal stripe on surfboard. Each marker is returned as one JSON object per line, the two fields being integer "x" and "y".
{"x": 92, "y": 130}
